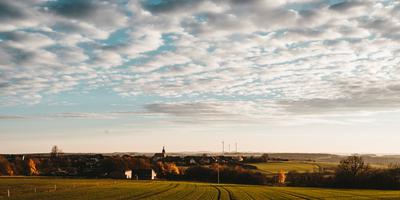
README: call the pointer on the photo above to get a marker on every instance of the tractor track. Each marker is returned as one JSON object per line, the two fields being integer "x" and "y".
{"x": 229, "y": 193}
{"x": 219, "y": 192}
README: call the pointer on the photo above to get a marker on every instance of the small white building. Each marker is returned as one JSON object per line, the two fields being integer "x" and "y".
{"x": 128, "y": 174}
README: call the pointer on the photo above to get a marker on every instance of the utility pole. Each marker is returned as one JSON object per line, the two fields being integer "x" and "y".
{"x": 223, "y": 147}
{"x": 218, "y": 171}
{"x": 229, "y": 148}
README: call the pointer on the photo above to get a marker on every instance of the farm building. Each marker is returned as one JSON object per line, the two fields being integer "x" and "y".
{"x": 143, "y": 174}
{"x": 128, "y": 174}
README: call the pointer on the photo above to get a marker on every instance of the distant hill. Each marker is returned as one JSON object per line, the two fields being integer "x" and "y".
{"x": 317, "y": 157}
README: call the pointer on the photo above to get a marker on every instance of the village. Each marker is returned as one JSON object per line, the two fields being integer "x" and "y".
{"x": 137, "y": 167}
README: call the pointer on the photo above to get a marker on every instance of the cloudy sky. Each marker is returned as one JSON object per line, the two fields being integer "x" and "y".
{"x": 132, "y": 75}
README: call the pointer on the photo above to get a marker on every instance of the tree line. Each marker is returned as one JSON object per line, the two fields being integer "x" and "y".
{"x": 351, "y": 172}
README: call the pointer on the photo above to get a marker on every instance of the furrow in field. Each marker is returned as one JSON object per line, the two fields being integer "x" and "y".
{"x": 182, "y": 192}
{"x": 249, "y": 192}
{"x": 273, "y": 195}
{"x": 242, "y": 192}
{"x": 210, "y": 192}
{"x": 157, "y": 192}
{"x": 321, "y": 193}
{"x": 297, "y": 195}
{"x": 200, "y": 192}
{"x": 229, "y": 192}
{"x": 131, "y": 190}
{"x": 192, "y": 191}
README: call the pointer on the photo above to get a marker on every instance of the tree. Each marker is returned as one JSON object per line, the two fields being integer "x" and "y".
{"x": 281, "y": 177}
{"x": 351, "y": 169}
{"x": 265, "y": 157}
{"x": 31, "y": 167}
{"x": 5, "y": 167}
{"x": 55, "y": 152}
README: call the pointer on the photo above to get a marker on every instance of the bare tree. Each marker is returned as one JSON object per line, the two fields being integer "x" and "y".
{"x": 55, "y": 152}
{"x": 351, "y": 168}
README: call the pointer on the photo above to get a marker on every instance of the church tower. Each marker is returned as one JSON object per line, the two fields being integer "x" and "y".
{"x": 163, "y": 150}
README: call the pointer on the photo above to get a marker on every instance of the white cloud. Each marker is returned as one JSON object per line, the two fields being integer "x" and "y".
{"x": 141, "y": 41}
{"x": 287, "y": 53}
{"x": 107, "y": 59}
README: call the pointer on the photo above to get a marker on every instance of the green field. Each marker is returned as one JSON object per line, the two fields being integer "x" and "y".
{"x": 299, "y": 166}
{"x": 275, "y": 167}
{"x": 46, "y": 188}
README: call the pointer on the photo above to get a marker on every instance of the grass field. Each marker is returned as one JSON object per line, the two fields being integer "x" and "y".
{"x": 275, "y": 167}
{"x": 301, "y": 167}
{"x": 57, "y": 189}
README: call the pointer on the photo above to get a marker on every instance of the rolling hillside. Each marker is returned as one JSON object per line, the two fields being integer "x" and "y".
{"x": 59, "y": 189}
{"x": 275, "y": 167}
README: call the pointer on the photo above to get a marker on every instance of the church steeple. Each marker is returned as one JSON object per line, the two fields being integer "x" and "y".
{"x": 163, "y": 150}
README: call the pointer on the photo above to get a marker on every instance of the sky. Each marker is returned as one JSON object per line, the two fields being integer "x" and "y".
{"x": 136, "y": 75}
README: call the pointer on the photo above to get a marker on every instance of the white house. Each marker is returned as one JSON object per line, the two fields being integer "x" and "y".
{"x": 128, "y": 174}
